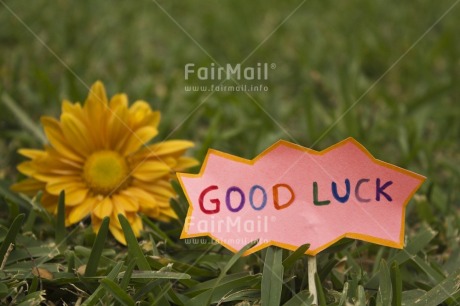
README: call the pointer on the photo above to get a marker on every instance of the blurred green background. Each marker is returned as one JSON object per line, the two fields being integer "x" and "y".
{"x": 384, "y": 72}
{"x": 328, "y": 56}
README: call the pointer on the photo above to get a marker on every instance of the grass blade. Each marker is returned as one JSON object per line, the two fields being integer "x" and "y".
{"x": 272, "y": 277}
{"x": 234, "y": 258}
{"x": 134, "y": 250}
{"x": 344, "y": 296}
{"x": 433, "y": 274}
{"x": 119, "y": 294}
{"x": 23, "y": 118}
{"x": 320, "y": 291}
{"x": 396, "y": 283}
{"x": 291, "y": 259}
{"x": 13, "y": 197}
{"x": 243, "y": 295}
{"x": 61, "y": 232}
{"x": 361, "y": 296}
{"x": 98, "y": 247}
{"x": 230, "y": 263}
{"x": 10, "y": 237}
{"x": 384, "y": 294}
{"x": 156, "y": 274}
{"x": 415, "y": 245}
{"x": 439, "y": 293}
{"x": 205, "y": 297}
{"x": 157, "y": 232}
{"x": 94, "y": 299}
{"x": 326, "y": 270}
{"x": 127, "y": 274}
{"x": 303, "y": 298}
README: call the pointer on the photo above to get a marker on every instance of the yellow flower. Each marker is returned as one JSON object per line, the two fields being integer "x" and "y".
{"x": 97, "y": 153}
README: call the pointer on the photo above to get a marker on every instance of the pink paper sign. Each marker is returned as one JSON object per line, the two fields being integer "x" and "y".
{"x": 290, "y": 195}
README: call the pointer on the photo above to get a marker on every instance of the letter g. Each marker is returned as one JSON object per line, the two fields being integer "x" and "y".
{"x": 214, "y": 201}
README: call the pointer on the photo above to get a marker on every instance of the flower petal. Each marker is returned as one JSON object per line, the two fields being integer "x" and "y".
{"x": 74, "y": 109}
{"x": 75, "y": 196}
{"x": 63, "y": 162}
{"x": 157, "y": 188}
{"x": 96, "y": 108}
{"x": 96, "y": 103}
{"x": 160, "y": 150}
{"x": 47, "y": 168}
{"x": 103, "y": 208}
{"x": 150, "y": 170}
{"x": 138, "y": 138}
{"x": 171, "y": 147}
{"x": 27, "y": 168}
{"x": 146, "y": 200}
{"x": 136, "y": 223}
{"x": 95, "y": 221}
{"x": 185, "y": 162}
{"x": 79, "y": 212}
{"x": 118, "y": 234}
{"x": 169, "y": 212}
{"x": 49, "y": 202}
{"x": 117, "y": 210}
{"x": 75, "y": 190}
{"x": 163, "y": 218}
{"x": 118, "y": 126}
{"x": 142, "y": 115}
{"x": 75, "y": 130}
{"x": 119, "y": 100}
{"x": 31, "y": 153}
{"x": 127, "y": 203}
{"x": 56, "y": 138}
{"x": 63, "y": 183}
{"x": 28, "y": 186}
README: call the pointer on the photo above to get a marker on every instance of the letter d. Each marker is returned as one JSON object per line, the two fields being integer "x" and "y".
{"x": 276, "y": 196}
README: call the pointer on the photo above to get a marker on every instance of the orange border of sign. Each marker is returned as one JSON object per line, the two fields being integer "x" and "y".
{"x": 362, "y": 237}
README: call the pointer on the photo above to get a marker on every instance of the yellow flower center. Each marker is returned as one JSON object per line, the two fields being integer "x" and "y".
{"x": 105, "y": 172}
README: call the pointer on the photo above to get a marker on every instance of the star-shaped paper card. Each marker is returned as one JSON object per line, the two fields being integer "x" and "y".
{"x": 290, "y": 195}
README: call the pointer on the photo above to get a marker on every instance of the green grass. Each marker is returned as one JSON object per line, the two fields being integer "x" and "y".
{"x": 374, "y": 61}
